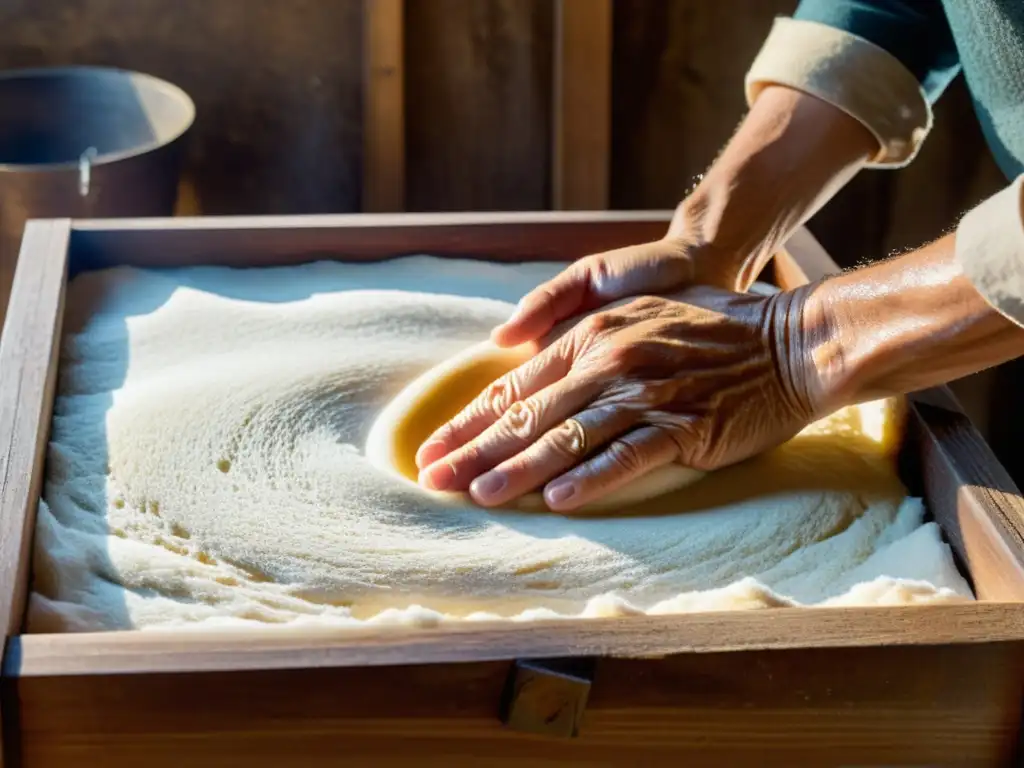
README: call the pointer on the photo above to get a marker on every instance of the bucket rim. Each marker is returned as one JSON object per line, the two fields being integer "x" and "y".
{"x": 188, "y": 119}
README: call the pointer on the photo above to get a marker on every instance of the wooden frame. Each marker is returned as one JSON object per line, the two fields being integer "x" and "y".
{"x": 789, "y": 686}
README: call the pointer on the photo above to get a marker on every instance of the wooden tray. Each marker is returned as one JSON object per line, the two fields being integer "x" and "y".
{"x": 937, "y": 685}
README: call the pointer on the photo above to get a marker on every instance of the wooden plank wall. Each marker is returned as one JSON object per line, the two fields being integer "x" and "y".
{"x": 279, "y": 86}
{"x": 478, "y": 85}
{"x": 383, "y": 106}
{"x": 581, "y": 103}
{"x": 487, "y": 105}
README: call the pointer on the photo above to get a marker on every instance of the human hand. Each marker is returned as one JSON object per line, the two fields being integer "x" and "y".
{"x": 597, "y": 280}
{"x": 706, "y": 379}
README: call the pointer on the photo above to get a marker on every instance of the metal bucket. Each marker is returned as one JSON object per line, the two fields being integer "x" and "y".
{"x": 86, "y": 142}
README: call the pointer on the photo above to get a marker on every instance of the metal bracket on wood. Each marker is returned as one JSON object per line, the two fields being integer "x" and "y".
{"x": 547, "y": 696}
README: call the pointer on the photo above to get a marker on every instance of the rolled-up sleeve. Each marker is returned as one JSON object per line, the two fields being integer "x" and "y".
{"x": 881, "y": 61}
{"x": 990, "y": 250}
{"x": 884, "y": 62}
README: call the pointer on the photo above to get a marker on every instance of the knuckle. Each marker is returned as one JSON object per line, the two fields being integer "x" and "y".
{"x": 595, "y": 324}
{"x": 693, "y": 442}
{"x": 500, "y": 396}
{"x": 474, "y": 411}
{"x": 647, "y": 304}
{"x": 569, "y": 440}
{"x": 638, "y": 396}
{"x": 521, "y": 419}
{"x": 650, "y": 395}
{"x": 626, "y": 456}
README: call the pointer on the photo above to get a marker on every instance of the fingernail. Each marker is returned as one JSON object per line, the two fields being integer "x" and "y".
{"x": 488, "y": 485}
{"x": 560, "y": 492}
{"x": 438, "y": 477}
{"x": 429, "y": 453}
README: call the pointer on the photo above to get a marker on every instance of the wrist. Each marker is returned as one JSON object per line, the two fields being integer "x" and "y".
{"x": 902, "y": 325}
{"x": 831, "y": 366}
{"x": 791, "y": 154}
{"x": 722, "y": 254}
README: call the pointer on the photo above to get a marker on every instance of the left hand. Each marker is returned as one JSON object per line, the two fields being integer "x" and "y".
{"x": 706, "y": 381}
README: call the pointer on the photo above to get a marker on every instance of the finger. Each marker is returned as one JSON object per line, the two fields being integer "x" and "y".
{"x": 622, "y": 461}
{"x": 558, "y": 450}
{"x": 545, "y": 306}
{"x": 538, "y": 372}
{"x": 520, "y": 426}
{"x": 591, "y": 283}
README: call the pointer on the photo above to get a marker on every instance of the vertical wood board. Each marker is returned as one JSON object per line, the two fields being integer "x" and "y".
{"x": 581, "y": 127}
{"x": 383, "y": 106}
{"x": 28, "y": 371}
{"x": 478, "y": 101}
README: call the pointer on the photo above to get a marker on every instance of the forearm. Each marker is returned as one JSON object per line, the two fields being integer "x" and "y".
{"x": 906, "y": 324}
{"x": 789, "y": 156}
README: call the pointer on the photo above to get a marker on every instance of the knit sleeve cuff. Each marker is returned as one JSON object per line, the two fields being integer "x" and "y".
{"x": 852, "y": 74}
{"x": 990, "y": 250}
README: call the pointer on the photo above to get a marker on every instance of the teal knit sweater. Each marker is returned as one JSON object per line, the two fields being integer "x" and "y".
{"x": 936, "y": 40}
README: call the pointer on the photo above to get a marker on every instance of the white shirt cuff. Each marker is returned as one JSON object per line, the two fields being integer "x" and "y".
{"x": 990, "y": 250}
{"x": 852, "y": 74}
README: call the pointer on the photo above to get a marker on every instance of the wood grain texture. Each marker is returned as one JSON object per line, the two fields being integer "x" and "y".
{"x": 478, "y": 101}
{"x": 153, "y": 652}
{"x": 581, "y": 127}
{"x": 384, "y": 106}
{"x": 975, "y": 501}
{"x": 933, "y": 705}
{"x": 263, "y": 241}
{"x": 28, "y": 370}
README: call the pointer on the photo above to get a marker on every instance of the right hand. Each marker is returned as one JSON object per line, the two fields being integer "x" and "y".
{"x": 706, "y": 379}
{"x": 595, "y": 281}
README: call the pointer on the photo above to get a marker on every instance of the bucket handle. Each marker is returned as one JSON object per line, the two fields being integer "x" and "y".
{"x": 85, "y": 161}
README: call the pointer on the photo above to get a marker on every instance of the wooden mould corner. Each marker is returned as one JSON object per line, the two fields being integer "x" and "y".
{"x": 932, "y": 685}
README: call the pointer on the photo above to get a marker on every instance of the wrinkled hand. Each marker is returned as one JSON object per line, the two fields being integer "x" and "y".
{"x": 706, "y": 380}
{"x": 602, "y": 278}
